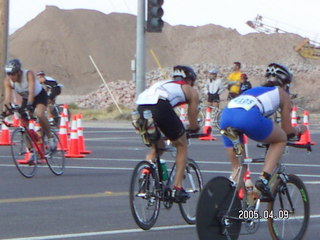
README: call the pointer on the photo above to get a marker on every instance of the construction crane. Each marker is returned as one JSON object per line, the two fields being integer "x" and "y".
{"x": 307, "y": 48}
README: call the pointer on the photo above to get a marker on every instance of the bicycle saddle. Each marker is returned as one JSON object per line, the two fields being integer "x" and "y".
{"x": 234, "y": 135}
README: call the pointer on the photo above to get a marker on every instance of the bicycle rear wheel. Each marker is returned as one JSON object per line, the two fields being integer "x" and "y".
{"x": 192, "y": 183}
{"x": 55, "y": 111}
{"x": 213, "y": 203}
{"x": 23, "y": 154}
{"x": 290, "y": 198}
{"x": 55, "y": 158}
{"x": 143, "y": 196}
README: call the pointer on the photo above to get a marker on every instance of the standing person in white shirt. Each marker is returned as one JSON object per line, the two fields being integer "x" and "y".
{"x": 214, "y": 88}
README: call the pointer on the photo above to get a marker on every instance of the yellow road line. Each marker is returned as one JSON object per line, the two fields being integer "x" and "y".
{"x": 66, "y": 197}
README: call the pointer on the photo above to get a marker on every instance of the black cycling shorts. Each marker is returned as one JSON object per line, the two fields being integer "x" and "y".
{"x": 166, "y": 119}
{"x": 213, "y": 97}
{"x": 41, "y": 98}
{"x": 55, "y": 91}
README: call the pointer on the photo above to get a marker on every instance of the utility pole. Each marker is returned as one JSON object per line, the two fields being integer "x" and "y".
{"x": 140, "y": 48}
{"x": 4, "y": 25}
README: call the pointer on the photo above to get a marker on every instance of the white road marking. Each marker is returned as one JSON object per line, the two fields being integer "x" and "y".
{"x": 115, "y": 232}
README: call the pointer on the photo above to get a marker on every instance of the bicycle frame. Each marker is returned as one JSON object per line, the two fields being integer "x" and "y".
{"x": 244, "y": 161}
{"x": 33, "y": 135}
{"x": 38, "y": 147}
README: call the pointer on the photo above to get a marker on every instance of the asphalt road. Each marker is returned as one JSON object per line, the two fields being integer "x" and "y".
{"x": 90, "y": 201}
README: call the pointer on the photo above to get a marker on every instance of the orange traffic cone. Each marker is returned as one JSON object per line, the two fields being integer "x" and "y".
{"x": 207, "y": 127}
{"x": 66, "y": 117}
{"x": 5, "y": 136}
{"x": 31, "y": 124}
{"x": 37, "y": 126}
{"x": 16, "y": 121}
{"x": 63, "y": 136}
{"x": 74, "y": 151}
{"x": 294, "y": 120}
{"x": 82, "y": 145}
{"x": 306, "y": 136}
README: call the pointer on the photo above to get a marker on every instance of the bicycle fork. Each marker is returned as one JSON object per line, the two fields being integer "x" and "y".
{"x": 283, "y": 189}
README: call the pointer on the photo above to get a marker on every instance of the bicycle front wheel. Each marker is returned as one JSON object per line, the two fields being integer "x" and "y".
{"x": 290, "y": 210}
{"x": 192, "y": 183}
{"x": 23, "y": 154}
{"x": 55, "y": 157}
{"x": 213, "y": 204}
{"x": 143, "y": 195}
{"x": 215, "y": 116}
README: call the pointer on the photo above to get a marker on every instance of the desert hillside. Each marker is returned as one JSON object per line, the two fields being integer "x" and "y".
{"x": 60, "y": 41}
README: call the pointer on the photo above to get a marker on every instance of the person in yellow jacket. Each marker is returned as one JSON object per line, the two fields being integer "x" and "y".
{"x": 234, "y": 80}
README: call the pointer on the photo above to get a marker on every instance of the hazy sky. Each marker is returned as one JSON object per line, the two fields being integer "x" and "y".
{"x": 297, "y": 16}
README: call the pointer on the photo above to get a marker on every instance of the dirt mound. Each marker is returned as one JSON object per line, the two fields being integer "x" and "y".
{"x": 124, "y": 91}
{"x": 60, "y": 41}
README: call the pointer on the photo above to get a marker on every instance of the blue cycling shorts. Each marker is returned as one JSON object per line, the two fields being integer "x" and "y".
{"x": 251, "y": 122}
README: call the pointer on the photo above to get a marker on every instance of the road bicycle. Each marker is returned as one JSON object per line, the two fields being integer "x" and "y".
{"x": 30, "y": 148}
{"x": 222, "y": 210}
{"x": 151, "y": 184}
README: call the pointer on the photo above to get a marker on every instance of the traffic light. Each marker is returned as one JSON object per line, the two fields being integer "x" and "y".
{"x": 155, "y": 13}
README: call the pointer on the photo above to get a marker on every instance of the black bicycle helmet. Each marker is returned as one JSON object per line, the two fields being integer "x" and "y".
{"x": 184, "y": 72}
{"x": 279, "y": 73}
{"x": 13, "y": 66}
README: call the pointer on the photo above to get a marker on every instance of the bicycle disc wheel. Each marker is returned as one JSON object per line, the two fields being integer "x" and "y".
{"x": 55, "y": 158}
{"x": 192, "y": 183}
{"x": 213, "y": 203}
{"x": 290, "y": 198}
{"x": 21, "y": 150}
{"x": 143, "y": 196}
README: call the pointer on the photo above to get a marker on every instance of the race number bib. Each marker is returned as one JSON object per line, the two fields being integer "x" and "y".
{"x": 243, "y": 101}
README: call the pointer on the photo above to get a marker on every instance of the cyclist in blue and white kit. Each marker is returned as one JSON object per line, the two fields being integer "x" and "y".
{"x": 161, "y": 98}
{"x": 249, "y": 113}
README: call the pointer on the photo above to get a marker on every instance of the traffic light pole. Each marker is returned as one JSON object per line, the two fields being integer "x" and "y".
{"x": 4, "y": 19}
{"x": 140, "y": 48}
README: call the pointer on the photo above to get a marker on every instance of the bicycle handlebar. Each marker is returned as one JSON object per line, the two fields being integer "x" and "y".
{"x": 196, "y": 135}
{"x": 25, "y": 113}
{"x": 291, "y": 143}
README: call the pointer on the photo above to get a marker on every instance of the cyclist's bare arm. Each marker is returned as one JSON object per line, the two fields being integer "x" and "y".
{"x": 285, "y": 105}
{"x": 31, "y": 80}
{"x": 193, "y": 103}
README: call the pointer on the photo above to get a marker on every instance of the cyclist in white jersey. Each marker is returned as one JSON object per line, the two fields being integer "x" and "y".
{"x": 34, "y": 97}
{"x": 161, "y": 98}
{"x": 249, "y": 113}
